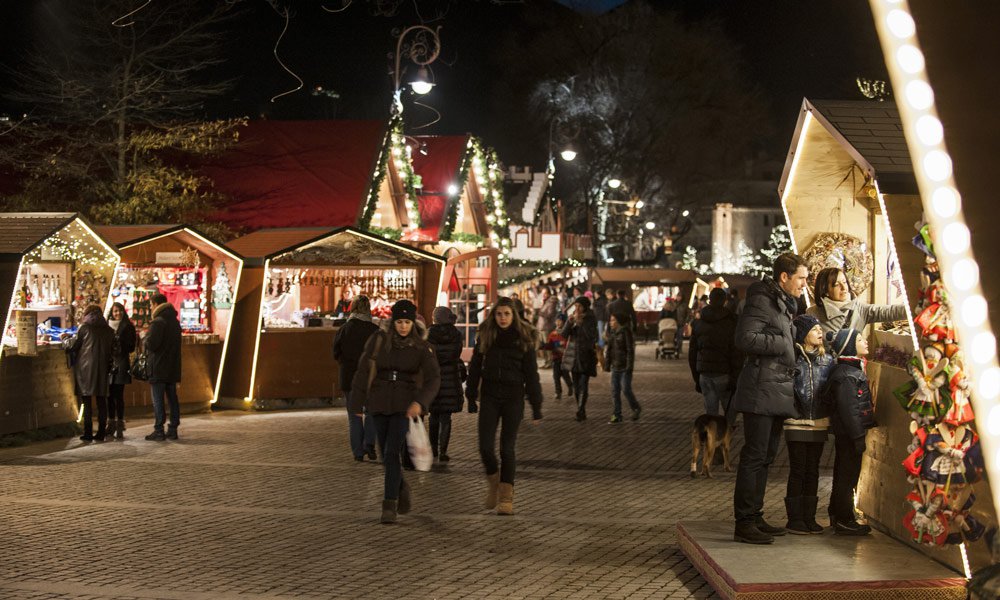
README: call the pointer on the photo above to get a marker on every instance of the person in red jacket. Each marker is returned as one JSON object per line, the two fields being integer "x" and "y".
{"x": 555, "y": 345}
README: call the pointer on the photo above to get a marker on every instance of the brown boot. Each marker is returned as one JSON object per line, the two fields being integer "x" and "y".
{"x": 505, "y": 503}
{"x": 388, "y": 512}
{"x": 491, "y": 491}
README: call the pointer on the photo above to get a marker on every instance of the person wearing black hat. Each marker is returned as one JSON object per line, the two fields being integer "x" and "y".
{"x": 580, "y": 357}
{"x": 852, "y": 415}
{"x": 396, "y": 380}
{"x": 806, "y": 432}
{"x": 446, "y": 340}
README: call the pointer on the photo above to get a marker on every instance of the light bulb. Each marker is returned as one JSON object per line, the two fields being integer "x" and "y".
{"x": 910, "y": 59}
{"x": 640, "y": 204}
{"x": 945, "y": 201}
{"x": 900, "y": 23}
{"x": 919, "y": 94}
{"x": 568, "y": 155}
{"x": 614, "y": 183}
{"x": 452, "y": 189}
{"x": 650, "y": 225}
{"x": 955, "y": 238}
{"x": 929, "y": 130}
{"x": 937, "y": 165}
{"x": 984, "y": 347}
{"x": 974, "y": 310}
{"x": 988, "y": 387}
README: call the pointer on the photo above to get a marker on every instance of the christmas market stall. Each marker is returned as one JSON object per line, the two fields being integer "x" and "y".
{"x": 650, "y": 289}
{"x": 850, "y": 194}
{"x": 52, "y": 266}
{"x": 294, "y": 293}
{"x": 199, "y": 277}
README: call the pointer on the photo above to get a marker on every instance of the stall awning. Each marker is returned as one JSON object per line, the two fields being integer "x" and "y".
{"x": 123, "y": 235}
{"x": 297, "y": 173}
{"x": 21, "y": 232}
{"x": 642, "y": 276}
{"x": 268, "y": 243}
{"x": 438, "y": 169}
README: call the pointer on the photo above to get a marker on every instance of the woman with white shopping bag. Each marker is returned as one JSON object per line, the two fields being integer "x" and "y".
{"x": 505, "y": 368}
{"x": 396, "y": 380}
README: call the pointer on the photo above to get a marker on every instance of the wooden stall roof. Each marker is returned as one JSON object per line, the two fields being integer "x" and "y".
{"x": 640, "y": 276}
{"x": 869, "y": 131}
{"x": 267, "y": 243}
{"x": 123, "y": 235}
{"x": 21, "y": 232}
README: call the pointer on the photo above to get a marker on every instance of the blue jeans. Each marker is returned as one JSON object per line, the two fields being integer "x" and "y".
{"x": 715, "y": 388}
{"x": 392, "y": 437}
{"x": 622, "y": 381}
{"x": 362, "y": 431}
{"x": 600, "y": 333}
{"x": 170, "y": 389}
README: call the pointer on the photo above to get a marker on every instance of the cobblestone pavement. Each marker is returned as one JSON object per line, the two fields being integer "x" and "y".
{"x": 272, "y": 505}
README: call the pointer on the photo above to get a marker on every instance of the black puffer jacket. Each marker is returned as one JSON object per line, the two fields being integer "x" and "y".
{"x": 713, "y": 343}
{"x": 583, "y": 339}
{"x": 405, "y": 371}
{"x": 163, "y": 345}
{"x": 619, "y": 351}
{"x": 447, "y": 343}
{"x": 764, "y": 333}
{"x": 506, "y": 372}
{"x": 125, "y": 345}
{"x": 847, "y": 390}
{"x": 811, "y": 374}
{"x": 93, "y": 346}
{"x": 348, "y": 345}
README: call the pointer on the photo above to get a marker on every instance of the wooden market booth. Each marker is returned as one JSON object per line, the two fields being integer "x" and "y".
{"x": 649, "y": 288}
{"x": 200, "y": 278}
{"x": 52, "y": 266}
{"x": 286, "y": 314}
{"x": 850, "y": 196}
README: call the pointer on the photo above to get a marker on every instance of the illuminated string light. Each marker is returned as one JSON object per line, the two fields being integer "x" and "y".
{"x": 284, "y": 12}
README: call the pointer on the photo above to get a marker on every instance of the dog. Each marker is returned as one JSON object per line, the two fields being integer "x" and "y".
{"x": 713, "y": 432}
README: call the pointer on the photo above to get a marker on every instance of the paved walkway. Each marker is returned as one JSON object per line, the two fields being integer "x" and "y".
{"x": 271, "y": 505}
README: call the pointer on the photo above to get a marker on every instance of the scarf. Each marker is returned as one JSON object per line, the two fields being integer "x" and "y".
{"x": 114, "y": 324}
{"x": 831, "y": 307}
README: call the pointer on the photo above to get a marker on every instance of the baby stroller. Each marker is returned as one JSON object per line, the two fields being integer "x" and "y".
{"x": 669, "y": 344}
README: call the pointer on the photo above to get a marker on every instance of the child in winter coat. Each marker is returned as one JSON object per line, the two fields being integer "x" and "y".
{"x": 555, "y": 345}
{"x": 852, "y": 416}
{"x": 806, "y": 433}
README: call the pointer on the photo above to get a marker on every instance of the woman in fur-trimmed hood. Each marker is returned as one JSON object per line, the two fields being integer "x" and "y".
{"x": 396, "y": 380}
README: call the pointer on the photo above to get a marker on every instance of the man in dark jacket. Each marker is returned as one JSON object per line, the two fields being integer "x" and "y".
{"x": 713, "y": 357}
{"x": 765, "y": 389}
{"x": 622, "y": 305}
{"x": 163, "y": 354}
{"x": 348, "y": 345}
{"x": 601, "y": 313}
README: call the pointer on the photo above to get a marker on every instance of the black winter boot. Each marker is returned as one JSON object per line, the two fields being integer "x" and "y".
{"x": 120, "y": 429}
{"x": 433, "y": 433}
{"x": 747, "y": 532}
{"x": 795, "y": 525}
{"x": 388, "y": 512}
{"x": 809, "y": 514}
{"x": 403, "y": 506}
{"x": 443, "y": 441}
{"x": 767, "y": 528}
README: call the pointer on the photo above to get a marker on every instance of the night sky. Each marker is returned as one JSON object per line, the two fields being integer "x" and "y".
{"x": 792, "y": 49}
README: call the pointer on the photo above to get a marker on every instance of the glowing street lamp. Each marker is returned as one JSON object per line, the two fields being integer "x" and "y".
{"x": 614, "y": 183}
{"x": 568, "y": 154}
{"x": 422, "y": 83}
{"x": 650, "y": 225}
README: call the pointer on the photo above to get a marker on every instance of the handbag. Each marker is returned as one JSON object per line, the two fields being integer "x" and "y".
{"x": 419, "y": 445}
{"x": 140, "y": 367}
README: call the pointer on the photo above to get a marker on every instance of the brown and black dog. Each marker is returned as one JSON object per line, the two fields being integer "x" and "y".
{"x": 713, "y": 432}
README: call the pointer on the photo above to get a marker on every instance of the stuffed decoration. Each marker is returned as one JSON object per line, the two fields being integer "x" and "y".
{"x": 927, "y": 522}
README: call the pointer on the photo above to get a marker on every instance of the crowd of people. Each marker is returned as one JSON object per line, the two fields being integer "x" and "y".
{"x": 100, "y": 355}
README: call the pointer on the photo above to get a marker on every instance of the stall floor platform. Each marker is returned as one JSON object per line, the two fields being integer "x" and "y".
{"x": 823, "y": 566}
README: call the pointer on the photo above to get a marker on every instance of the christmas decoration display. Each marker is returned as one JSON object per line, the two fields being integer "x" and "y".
{"x": 844, "y": 252}
{"x": 91, "y": 288}
{"x": 483, "y": 163}
{"x": 944, "y": 458}
{"x": 393, "y": 147}
{"x": 222, "y": 290}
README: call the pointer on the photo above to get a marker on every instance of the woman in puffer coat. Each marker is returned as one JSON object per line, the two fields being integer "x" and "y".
{"x": 580, "y": 358}
{"x": 446, "y": 340}
{"x": 806, "y": 433}
{"x": 503, "y": 370}
{"x": 396, "y": 380}
{"x": 93, "y": 348}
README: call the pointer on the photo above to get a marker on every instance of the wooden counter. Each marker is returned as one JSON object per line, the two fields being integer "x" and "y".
{"x": 36, "y": 391}
{"x": 296, "y": 363}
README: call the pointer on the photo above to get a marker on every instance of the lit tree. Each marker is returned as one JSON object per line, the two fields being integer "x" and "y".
{"x": 778, "y": 243}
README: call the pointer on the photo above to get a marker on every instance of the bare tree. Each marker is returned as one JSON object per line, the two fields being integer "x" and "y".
{"x": 659, "y": 104}
{"x": 112, "y": 102}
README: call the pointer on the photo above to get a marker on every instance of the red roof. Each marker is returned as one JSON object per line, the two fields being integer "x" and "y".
{"x": 438, "y": 169}
{"x": 297, "y": 173}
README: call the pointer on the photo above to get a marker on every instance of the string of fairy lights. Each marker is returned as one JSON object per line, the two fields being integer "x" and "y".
{"x": 394, "y": 146}
{"x": 541, "y": 268}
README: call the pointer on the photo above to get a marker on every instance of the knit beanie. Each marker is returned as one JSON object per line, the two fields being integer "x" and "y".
{"x": 443, "y": 314}
{"x": 404, "y": 309}
{"x": 717, "y": 296}
{"x": 803, "y": 325}
{"x": 583, "y": 301}
{"x": 844, "y": 342}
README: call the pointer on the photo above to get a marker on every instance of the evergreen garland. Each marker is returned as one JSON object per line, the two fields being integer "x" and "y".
{"x": 393, "y": 145}
{"x": 490, "y": 179}
{"x": 543, "y": 267}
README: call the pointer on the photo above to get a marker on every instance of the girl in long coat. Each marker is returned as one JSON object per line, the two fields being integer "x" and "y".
{"x": 396, "y": 380}
{"x": 92, "y": 348}
{"x": 503, "y": 370}
{"x": 125, "y": 341}
{"x": 446, "y": 340}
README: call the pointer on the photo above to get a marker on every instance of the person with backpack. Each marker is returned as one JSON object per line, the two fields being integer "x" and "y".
{"x": 852, "y": 415}
{"x": 348, "y": 345}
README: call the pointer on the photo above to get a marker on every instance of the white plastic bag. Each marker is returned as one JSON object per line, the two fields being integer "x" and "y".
{"x": 419, "y": 446}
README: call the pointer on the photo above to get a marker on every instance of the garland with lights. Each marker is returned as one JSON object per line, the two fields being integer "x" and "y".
{"x": 542, "y": 267}
{"x": 484, "y": 164}
{"x": 393, "y": 145}
{"x": 387, "y": 232}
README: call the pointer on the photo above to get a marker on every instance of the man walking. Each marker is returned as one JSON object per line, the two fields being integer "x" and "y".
{"x": 713, "y": 357}
{"x": 764, "y": 392}
{"x": 623, "y": 306}
{"x": 163, "y": 353}
{"x": 601, "y": 313}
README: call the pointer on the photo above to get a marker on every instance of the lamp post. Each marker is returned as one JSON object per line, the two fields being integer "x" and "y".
{"x": 423, "y": 49}
{"x": 567, "y": 153}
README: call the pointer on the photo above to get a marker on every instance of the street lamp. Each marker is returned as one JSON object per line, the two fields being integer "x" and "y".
{"x": 568, "y": 154}
{"x": 650, "y": 225}
{"x": 614, "y": 183}
{"x": 423, "y": 49}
